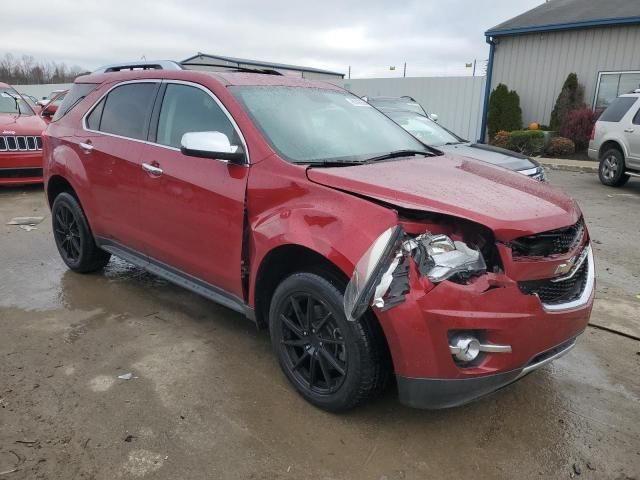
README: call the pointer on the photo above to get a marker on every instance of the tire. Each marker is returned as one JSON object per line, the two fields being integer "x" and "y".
{"x": 73, "y": 236}
{"x": 611, "y": 170}
{"x": 349, "y": 360}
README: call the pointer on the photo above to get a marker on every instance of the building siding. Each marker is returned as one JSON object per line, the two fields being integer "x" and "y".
{"x": 536, "y": 65}
{"x": 456, "y": 100}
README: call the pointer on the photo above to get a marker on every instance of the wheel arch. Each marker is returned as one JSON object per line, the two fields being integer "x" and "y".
{"x": 58, "y": 184}
{"x": 611, "y": 143}
{"x": 285, "y": 260}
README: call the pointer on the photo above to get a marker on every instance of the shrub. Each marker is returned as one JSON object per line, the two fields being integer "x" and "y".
{"x": 570, "y": 97}
{"x": 560, "y": 146}
{"x": 501, "y": 139}
{"x": 577, "y": 126}
{"x": 528, "y": 142}
{"x": 544, "y": 128}
{"x": 504, "y": 111}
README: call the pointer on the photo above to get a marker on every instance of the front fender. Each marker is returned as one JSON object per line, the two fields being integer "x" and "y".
{"x": 287, "y": 209}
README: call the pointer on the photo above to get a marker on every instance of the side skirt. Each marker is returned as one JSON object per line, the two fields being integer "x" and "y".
{"x": 177, "y": 277}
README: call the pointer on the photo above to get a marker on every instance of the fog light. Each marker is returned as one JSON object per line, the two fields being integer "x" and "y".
{"x": 465, "y": 348}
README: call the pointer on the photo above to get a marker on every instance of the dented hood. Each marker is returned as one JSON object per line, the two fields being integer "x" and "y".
{"x": 509, "y": 203}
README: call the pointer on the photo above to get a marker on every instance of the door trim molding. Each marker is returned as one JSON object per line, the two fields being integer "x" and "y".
{"x": 176, "y": 276}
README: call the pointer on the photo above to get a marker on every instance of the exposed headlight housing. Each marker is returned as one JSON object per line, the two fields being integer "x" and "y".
{"x": 385, "y": 265}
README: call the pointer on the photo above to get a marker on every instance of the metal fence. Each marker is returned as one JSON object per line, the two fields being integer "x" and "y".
{"x": 456, "y": 100}
{"x": 40, "y": 91}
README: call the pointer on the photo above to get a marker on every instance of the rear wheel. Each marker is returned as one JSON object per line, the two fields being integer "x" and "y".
{"x": 611, "y": 170}
{"x": 73, "y": 237}
{"x": 333, "y": 363}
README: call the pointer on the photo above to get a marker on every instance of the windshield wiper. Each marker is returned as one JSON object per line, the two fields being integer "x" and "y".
{"x": 16, "y": 101}
{"x": 331, "y": 163}
{"x": 398, "y": 154}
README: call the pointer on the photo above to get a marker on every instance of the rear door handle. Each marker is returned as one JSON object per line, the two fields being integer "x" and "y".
{"x": 87, "y": 147}
{"x": 153, "y": 170}
{"x": 628, "y": 130}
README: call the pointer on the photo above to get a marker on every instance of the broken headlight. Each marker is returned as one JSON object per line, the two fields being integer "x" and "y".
{"x": 381, "y": 276}
{"x": 439, "y": 257}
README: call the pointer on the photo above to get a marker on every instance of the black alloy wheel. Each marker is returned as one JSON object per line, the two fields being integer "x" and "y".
{"x": 333, "y": 363}
{"x": 73, "y": 236}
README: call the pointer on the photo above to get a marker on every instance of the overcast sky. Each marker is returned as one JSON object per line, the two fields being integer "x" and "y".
{"x": 434, "y": 37}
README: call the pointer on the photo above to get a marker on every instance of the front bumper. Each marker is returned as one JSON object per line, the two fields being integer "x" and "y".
{"x": 418, "y": 333}
{"x": 435, "y": 393}
{"x": 20, "y": 168}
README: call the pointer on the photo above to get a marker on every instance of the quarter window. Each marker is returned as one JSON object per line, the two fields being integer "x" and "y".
{"x": 126, "y": 110}
{"x": 190, "y": 109}
{"x": 617, "y": 109}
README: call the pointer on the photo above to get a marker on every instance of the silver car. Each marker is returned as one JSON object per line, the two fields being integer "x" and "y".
{"x": 615, "y": 141}
{"x": 436, "y": 136}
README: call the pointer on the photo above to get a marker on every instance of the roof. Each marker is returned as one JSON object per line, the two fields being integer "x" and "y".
{"x": 225, "y": 78}
{"x": 570, "y": 14}
{"x": 257, "y": 63}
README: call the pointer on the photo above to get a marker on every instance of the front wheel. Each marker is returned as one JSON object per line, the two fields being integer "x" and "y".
{"x": 333, "y": 363}
{"x": 73, "y": 237}
{"x": 611, "y": 170}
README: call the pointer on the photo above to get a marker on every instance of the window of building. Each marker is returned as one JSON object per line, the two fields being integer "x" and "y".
{"x": 612, "y": 84}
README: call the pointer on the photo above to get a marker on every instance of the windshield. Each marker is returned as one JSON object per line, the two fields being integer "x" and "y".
{"x": 12, "y": 102}
{"x": 424, "y": 129}
{"x": 398, "y": 104}
{"x": 306, "y": 125}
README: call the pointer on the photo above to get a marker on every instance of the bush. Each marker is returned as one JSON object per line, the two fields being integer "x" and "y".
{"x": 504, "y": 111}
{"x": 528, "y": 142}
{"x": 544, "y": 128}
{"x": 560, "y": 146}
{"x": 501, "y": 139}
{"x": 570, "y": 98}
{"x": 577, "y": 126}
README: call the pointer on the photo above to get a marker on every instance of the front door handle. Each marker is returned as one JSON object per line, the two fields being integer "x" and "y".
{"x": 628, "y": 130}
{"x": 153, "y": 170}
{"x": 87, "y": 147}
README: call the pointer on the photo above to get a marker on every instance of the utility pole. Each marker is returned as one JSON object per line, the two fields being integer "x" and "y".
{"x": 349, "y": 76}
{"x": 474, "y": 67}
{"x": 404, "y": 73}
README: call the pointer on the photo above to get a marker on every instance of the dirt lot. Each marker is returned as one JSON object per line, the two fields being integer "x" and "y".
{"x": 208, "y": 401}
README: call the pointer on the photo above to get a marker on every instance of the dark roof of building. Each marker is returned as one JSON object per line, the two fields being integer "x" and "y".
{"x": 256, "y": 63}
{"x": 570, "y": 14}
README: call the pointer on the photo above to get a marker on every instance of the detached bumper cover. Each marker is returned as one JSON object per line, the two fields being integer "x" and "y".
{"x": 435, "y": 393}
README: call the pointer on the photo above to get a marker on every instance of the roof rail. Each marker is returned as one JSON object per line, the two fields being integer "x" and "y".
{"x": 236, "y": 68}
{"x": 141, "y": 65}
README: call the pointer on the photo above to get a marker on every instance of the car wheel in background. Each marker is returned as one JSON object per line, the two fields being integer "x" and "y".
{"x": 611, "y": 170}
{"x": 334, "y": 364}
{"x": 73, "y": 237}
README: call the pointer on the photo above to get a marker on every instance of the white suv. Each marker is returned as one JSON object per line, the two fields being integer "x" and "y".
{"x": 615, "y": 140}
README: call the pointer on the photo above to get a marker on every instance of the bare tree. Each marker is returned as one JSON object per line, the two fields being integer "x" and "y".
{"x": 27, "y": 70}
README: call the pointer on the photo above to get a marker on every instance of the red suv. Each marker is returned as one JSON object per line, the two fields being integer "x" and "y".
{"x": 300, "y": 206}
{"x": 20, "y": 139}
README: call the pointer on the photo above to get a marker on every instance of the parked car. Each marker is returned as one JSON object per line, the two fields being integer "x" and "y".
{"x": 399, "y": 103}
{"x": 615, "y": 141}
{"x": 47, "y": 99}
{"x": 310, "y": 212}
{"x": 30, "y": 99}
{"x": 50, "y": 109}
{"x": 435, "y": 135}
{"x": 20, "y": 139}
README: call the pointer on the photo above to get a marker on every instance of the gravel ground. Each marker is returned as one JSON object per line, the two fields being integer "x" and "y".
{"x": 207, "y": 400}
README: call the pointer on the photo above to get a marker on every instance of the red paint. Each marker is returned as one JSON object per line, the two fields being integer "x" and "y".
{"x": 192, "y": 218}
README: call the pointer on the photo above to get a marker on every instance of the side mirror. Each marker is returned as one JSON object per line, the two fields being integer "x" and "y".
{"x": 433, "y": 117}
{"x": 211, "y": 145}
{"x": 49, "y": 110}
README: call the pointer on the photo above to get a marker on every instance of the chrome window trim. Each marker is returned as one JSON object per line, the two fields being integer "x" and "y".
{"x": 586, "y": 293}
{"x": 167, "y": 81}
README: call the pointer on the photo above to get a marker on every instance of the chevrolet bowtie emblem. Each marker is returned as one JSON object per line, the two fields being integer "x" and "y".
{"x": 566, "y": 267}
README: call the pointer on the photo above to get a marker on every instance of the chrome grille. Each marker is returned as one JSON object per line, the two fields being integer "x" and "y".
{"x": 20, "y": 143}
{"x": 554, "y": 242}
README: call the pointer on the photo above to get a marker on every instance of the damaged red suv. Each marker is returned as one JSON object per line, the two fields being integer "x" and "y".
{"x": 364, "y": 252}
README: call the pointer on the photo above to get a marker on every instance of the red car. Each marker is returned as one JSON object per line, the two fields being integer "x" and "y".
{"x": 20, "y": 139}
{"x": 49, "y": 110}
{"x": 297, "y": 204}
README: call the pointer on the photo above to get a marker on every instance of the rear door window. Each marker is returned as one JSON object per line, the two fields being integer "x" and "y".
{"x": 618, "y": 108}
{"x": 190, "y": 109}
{"x": 126, "y": 110}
